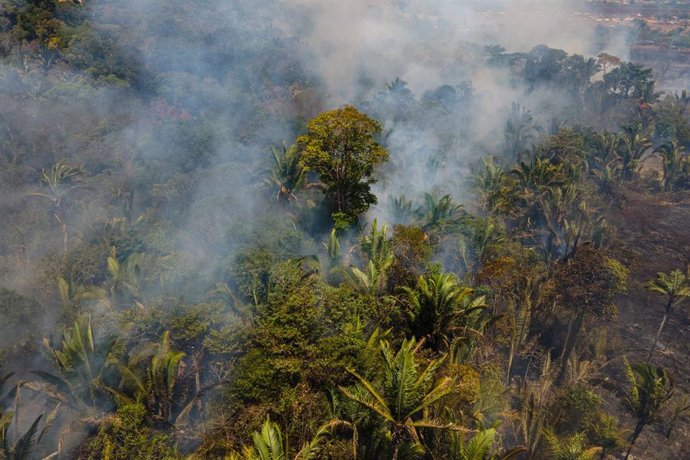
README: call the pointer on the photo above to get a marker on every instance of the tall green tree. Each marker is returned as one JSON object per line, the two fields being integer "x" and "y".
{"x": 340, "y": 145}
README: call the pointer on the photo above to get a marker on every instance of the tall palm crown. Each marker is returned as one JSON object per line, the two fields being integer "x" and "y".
{"x": 650, "y": 391}
{"x": 439, "y": 304}
{"x": 675, "y": 286}
{"x": 405, "y": 394}
{"x": 288, "y": 171}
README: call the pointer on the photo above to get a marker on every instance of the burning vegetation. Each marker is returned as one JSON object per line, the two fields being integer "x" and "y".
{"x": 268, "y": 229}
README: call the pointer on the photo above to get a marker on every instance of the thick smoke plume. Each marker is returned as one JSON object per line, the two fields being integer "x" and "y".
{"x": 189, "y": 111}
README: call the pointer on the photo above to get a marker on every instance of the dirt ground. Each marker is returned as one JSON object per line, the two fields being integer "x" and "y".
{"x": 654, "y": 229}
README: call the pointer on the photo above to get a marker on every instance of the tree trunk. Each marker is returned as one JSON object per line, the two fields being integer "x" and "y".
{"x": 510, "y": 363}
{"x": 658, "y": 332}
{"x": 638, "y": 430}
{"x": 570, "y": 341}
{"x": 64, "y": 239}
{"x": 396, "y": 448}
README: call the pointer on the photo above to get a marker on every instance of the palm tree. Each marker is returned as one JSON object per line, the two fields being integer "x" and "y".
{"x": 370, "y": 281}
{"x": 632, "y": 145}
{"x": 401, "y": 209}
{"x": 571, "y": 223}
{"x": 572, "y": 448}
{"x": 530, "y": 182}
{"x": 488, "y": 182}
{"x": 151, "y": 375}
{"x": 73, "y": 296}
{"x": 676, "y": 287}
{"x": 603, "y": 161}
{"x": 519, "y": 130}
{"x": 650, "y": 390}
{"x": 403, "y": 399}
{"x": 22, "y": 448}
{"x": 534, "y": 401}
{"x": 605, "y": 145}
{"x": 481, "y": 240}
{"x": 268, "y": 444}
{"x": 440, "y": 306}
{"x": 377, "y": 247}
{"x": 437, "y": 211}
{"x": 332, "y": 272}
{"x": 333, "y": 248}
{"x": 123, "y": 279}
{"x": 478, "y": 447}
{"x": 60, "y": 181}
{"x": 673, "y": 163}
{"x": 538, "y": 175}
{"x": 519, "y": 316}
{"x": 606, "y": 433}
{"x": 288, "y": 171}
{"x": 80, "y": 362}
{"x": 606, "y": 175}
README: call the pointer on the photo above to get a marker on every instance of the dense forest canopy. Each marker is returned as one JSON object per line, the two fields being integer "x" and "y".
{"x": 334, "y": 230}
